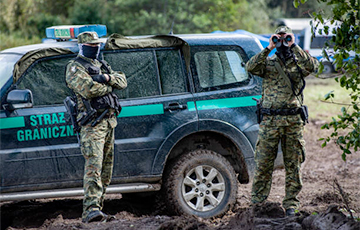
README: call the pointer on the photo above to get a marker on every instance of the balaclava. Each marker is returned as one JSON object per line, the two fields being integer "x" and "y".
{"x": 282, "y": 48}
{"x": 89, "y": 51}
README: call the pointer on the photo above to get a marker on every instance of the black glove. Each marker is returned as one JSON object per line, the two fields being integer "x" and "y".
{"x": 99, "y": 78}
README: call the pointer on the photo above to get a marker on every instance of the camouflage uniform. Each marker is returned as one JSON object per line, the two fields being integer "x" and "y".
{"x": 97, "y": 143}
{"x": 285, "y": 128}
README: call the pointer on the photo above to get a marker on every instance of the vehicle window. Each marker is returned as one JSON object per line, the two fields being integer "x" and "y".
{"x": 46, "y": 80}
{"x": 7, "y": 65}
{"x": 219, "y": 69}
{"x": 171, "y": 72}
{"x": 140, "y": 70}
{"x": 301, "y": 41}
{"x": 319, "y": 42}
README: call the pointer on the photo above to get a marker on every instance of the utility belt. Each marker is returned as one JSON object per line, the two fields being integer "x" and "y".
{"x": 260, "y": 111}
{"x": 303, "y": 111}
{"x": 283, "y": 112}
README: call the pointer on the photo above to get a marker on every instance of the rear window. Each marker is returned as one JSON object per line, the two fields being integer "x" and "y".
{"x": 149, "y": 72}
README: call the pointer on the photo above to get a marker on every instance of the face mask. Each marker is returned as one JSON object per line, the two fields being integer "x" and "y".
{"x": 284, "y": 51}
{"x": 90, "y": 51}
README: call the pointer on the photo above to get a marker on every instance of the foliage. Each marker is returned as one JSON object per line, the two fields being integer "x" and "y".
{"x": 346, "y": 126}
{"x": 16, "y": 39}
{"x": 129, "y": 17}
{"x": 139, "y": 17}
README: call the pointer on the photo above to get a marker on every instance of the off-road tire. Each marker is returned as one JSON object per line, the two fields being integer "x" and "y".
{"x": 201, "y": 183}
{"x": 328, "y": 68}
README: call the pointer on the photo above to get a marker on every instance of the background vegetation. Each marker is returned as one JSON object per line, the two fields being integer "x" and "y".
{"x": 24, "y": 21}
{"x": 346, "y": 126}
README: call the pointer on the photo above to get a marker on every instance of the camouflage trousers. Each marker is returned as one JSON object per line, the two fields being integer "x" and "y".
{"x": 293, "y": 147}
{"x": 97, "y": 147}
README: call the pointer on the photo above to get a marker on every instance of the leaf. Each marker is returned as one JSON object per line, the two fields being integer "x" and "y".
{"x": 343, "y": 156}
{"x": 343, "y": 110}
{"x": 296, "y": 3}
{"x": 347, "y": 151}
{"x": 343, "y": 81}
{"x": 329, "y": 95}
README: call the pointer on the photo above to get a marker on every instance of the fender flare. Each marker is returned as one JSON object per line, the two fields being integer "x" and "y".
{"x": 217, "y": 126}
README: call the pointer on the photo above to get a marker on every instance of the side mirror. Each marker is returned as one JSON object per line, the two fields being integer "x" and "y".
{"x": 19, "y": 99}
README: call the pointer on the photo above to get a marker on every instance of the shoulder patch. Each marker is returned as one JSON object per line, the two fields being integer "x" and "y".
{"x": 73, "y": 69}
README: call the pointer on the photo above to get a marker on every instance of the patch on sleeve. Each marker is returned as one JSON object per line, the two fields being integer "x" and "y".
{"x": 73, "y": 69}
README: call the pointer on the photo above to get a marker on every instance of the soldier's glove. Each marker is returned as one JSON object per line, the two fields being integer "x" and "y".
{"x": 99, "y": 78}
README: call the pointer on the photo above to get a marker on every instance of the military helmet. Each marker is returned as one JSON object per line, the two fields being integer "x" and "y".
{"x": 88, "y": 37}
{"x": 283, "y": 30}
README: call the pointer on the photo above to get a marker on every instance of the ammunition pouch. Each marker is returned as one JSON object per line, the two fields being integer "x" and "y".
{"x": 98, "y": 108}
{"x": 108, "y": 101}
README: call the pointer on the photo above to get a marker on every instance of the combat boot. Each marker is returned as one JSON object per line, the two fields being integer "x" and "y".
{"x": 95, "y": 216}
{"x": 290, "y": 212}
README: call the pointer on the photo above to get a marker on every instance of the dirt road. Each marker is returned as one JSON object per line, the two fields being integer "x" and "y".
{"x": 321, "y": 167}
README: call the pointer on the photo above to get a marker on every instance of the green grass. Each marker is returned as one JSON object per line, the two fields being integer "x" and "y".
{"x": 16, "y": 39}
{"x": 314, "y": 94}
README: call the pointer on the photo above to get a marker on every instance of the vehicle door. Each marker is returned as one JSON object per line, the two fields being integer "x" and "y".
{"x": 38, "y": 146}
{"x": 156, "y": 102}
{"x": 224, "y": 89}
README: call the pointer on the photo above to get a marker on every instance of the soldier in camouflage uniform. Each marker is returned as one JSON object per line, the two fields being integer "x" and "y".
{"x": 97, "y": 143}
{"x": 281, "y": 110}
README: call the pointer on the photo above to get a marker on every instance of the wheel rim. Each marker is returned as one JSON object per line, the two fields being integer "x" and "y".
{"x": 327, "y": 68}
{"x": 203, "y": 188}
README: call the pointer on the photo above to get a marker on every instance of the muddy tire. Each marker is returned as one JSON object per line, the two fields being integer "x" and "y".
{"x": 201, "y": 183}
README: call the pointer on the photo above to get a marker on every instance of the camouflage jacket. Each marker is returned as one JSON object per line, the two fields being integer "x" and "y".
{"x": 276, "y": 94}
{"x": 82, "y": 84}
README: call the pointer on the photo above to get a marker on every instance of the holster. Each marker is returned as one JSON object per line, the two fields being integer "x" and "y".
{"x": 304, "y": 114}
{"x": 71, "y": 108}
{"x": 258, "y": 111}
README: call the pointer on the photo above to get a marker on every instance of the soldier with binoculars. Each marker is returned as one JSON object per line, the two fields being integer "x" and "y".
{"x": 281, "y": 115}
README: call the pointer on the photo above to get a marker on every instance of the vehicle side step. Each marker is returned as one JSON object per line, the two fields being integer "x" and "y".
{"x": 60, "y": 193}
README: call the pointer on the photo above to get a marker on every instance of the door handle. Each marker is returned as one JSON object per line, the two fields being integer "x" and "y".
{"x": 175, "y": 106}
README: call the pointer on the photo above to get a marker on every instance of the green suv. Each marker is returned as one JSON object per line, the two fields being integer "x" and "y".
{"x": 187, "y": 126}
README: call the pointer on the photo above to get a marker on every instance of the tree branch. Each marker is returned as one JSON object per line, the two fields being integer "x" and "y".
{"x": 336, "y": 103}
{"x": 344, "y": 197}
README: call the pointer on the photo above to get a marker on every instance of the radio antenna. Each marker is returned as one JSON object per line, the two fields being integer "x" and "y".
{"x": 172, "y": 24}
{"x": 171, "y": 29}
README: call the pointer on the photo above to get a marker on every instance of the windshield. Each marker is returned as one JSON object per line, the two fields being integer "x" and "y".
{"x": 7, "y": 62}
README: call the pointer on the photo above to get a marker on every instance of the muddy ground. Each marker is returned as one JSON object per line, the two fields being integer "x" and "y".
{"x": 321, "y": 167}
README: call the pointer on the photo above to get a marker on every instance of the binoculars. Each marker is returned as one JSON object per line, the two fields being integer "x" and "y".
{"x": 285, "y": 40}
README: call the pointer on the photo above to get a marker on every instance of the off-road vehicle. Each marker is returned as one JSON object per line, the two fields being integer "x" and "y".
{"x": 187, "y": 126}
